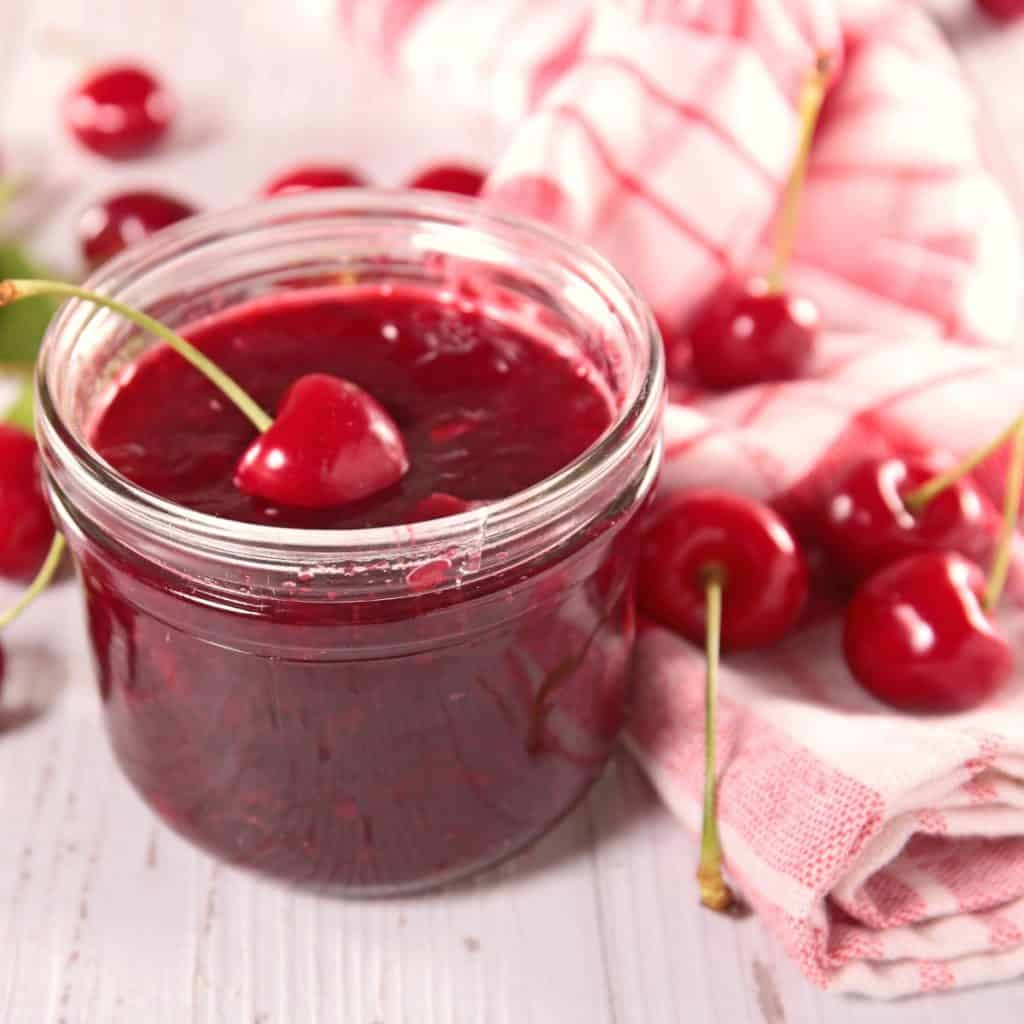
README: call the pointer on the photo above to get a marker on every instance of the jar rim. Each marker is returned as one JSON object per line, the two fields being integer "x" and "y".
{"x": 500, "y": 520}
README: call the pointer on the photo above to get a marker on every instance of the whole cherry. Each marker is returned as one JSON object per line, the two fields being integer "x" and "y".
{"x": 869, "y": 523}
{"x": 114, "y": 223}
{"x": 756, "y": 332}
{"x": 1003, "y": 10}
{"x": 753, "y": 334}
{"x": 307, "y": 177}
{"x": 331, "y": 444}
{"x": 26, "y": 529}
{"x": 119, "y": 111}
{"x": 725, "y": 570}
{"x": 917, "y": 636}
{"x": 457, "y": 178}
{"x": 762, "y": 566}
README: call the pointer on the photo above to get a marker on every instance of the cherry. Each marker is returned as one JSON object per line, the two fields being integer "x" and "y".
{"x": 1003, "y": 10}
{"x": 706, "y": 546}
{"x": 330, "y": 444}
{"x": 764, "y": 570}
{"x": 753, "y": 335}
{"x": 457, "y": 178}
{"x": 109, "y": 226}
{"x": 917, "y": 637}
{"x": 757, "y": 332}
{"x": 119, "y": 112}
{"x": 868, "y": 525}
{"x": 307, "y": 177}
{"x": 26, "y": 529}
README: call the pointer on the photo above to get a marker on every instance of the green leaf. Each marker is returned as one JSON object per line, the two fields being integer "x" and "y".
{"x": 21, "y": 413}
{"x": 23, "y": 323}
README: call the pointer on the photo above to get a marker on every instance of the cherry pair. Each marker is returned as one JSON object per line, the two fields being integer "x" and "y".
{"x": 918, "y": 633}
{"x": 445, "y": 177}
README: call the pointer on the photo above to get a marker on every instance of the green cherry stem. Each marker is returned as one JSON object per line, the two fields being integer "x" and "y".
{"x": 916, "y": 499}
{"x": 812, "y": 95}
{"x": 9, "y": 190}
{"x": 39, "y": 584}
{"x": 13, "y": 290}
{"x": 1011, "y": 510}
{"x": 714, "y": 893}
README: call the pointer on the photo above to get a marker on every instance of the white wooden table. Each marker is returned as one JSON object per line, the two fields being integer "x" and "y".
{"x": 105, "y": 915}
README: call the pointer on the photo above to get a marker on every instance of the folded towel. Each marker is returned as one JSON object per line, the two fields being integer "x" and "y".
{"x": 885, "y": 850}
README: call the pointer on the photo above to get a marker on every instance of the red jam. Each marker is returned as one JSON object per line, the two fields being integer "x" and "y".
{"x": 373, "y": 744}
{"x": 485, "y": 410}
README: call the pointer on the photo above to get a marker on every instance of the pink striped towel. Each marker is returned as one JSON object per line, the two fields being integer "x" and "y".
{"x": 886, "y": 851}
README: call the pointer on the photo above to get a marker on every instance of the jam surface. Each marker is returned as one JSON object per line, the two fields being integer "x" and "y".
{"x": 373, "y": 746}
{"x": 485, "y": 409}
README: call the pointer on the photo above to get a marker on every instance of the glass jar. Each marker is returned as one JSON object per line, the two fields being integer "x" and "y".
{"x": 363, "y": 711}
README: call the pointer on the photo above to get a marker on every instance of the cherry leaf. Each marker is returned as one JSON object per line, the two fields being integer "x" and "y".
{"x": 23, "y": 323}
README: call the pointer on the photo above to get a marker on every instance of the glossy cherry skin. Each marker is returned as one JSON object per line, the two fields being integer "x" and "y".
{"x": 753, "y": 335}
{"x": 331, "y": 444}
{"x": 866, "y": 525}
{"x": 457, "y": 178}
{"x": 307, "y": 177}
{"x": 119, "y": 112}
{"x": 26, "y": 529}
{"x": 114, "y": 223}
{"x": 1003, "y": 10}
{"x": 766, "y": 577}
{"x": 917, "y": 637}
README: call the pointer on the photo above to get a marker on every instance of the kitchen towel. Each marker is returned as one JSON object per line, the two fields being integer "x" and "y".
{"x": 886, "y": 851}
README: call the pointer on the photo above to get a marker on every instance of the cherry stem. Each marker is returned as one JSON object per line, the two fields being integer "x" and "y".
{"x": 39, "y": 584}
{"x": 9, "y": 188}
{"x": 714, "y": 893}
{"x": 13, "y": 290}
{"x": 1011, "y": 510}
{"x": 812, "y": 95}
{"x": 916, "y": 499}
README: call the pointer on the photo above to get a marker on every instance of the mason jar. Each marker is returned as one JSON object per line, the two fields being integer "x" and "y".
{"x": 364, "y": 711}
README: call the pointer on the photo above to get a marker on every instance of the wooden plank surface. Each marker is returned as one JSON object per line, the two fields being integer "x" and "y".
{"x": 105, "y": 916}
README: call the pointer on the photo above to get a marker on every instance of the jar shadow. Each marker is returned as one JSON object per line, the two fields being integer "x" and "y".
{"x": 35, "y": 678}
{"x": 619, "y": 803}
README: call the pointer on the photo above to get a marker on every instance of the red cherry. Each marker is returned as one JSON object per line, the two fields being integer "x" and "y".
{"x": 753, "y": 336}
{"x": 119, "y": 111}
{"x": 118, "y": 221}
{"x": 331, "y": 444}
{"x": 463, "y": 181}
{"x": 307, "y": 177}
{"x": 765, "y": 572}
{"x": 917, "y": 637}
{"x": 26, "y": 529}
{"x": 1003, "y": 10}
{"x": 867, "y": 526}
